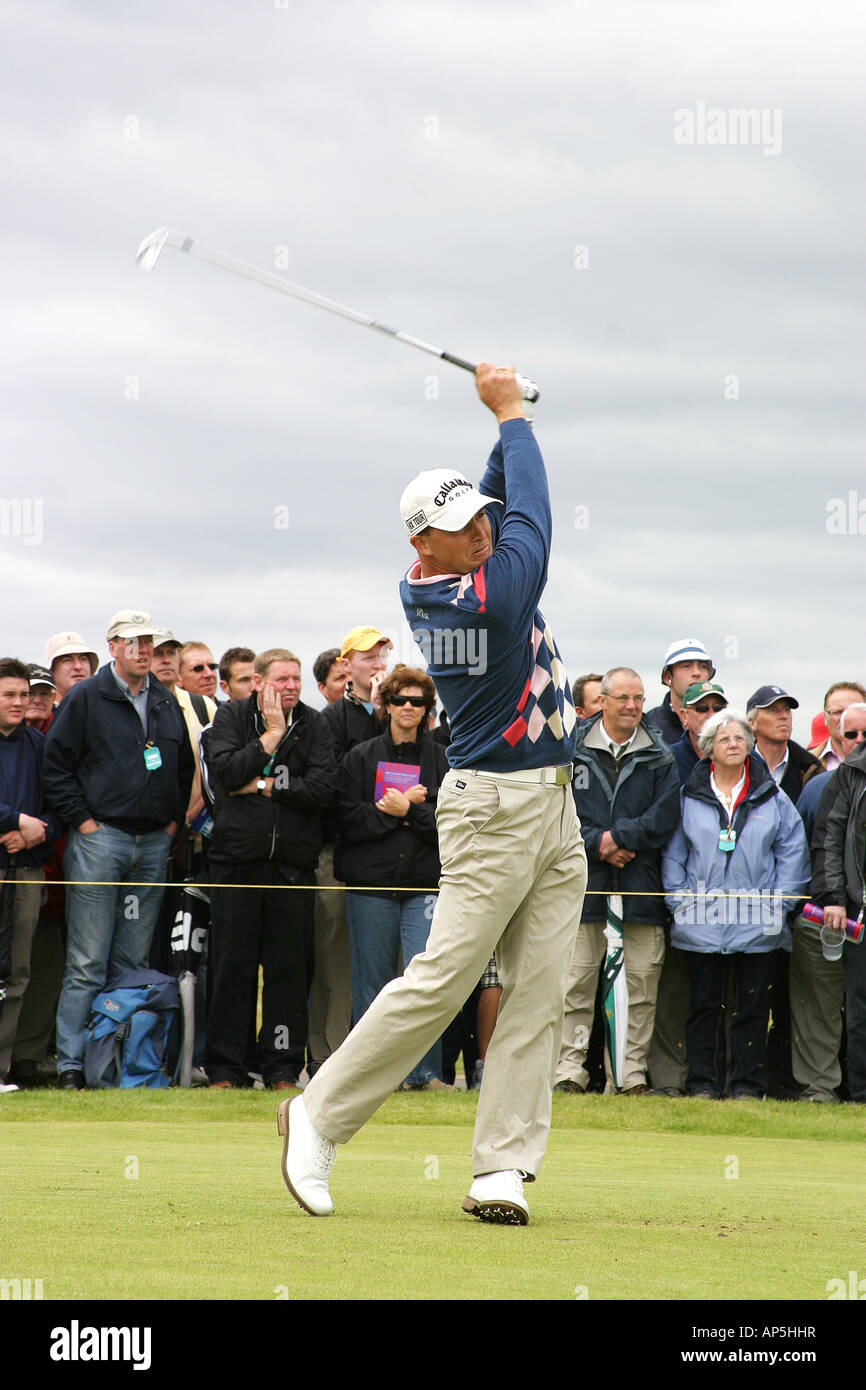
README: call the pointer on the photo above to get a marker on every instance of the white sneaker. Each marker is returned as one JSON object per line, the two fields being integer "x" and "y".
{"x": 499, "y": 1197}
{"x": 308, "y": 1158}
{"x": 7, "y": 1087}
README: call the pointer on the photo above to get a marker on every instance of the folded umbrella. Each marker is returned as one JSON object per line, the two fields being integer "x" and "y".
{"x": 615, "y": 995}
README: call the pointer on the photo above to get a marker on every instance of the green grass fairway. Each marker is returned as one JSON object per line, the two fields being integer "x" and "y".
{"x": 178, "y": 1195}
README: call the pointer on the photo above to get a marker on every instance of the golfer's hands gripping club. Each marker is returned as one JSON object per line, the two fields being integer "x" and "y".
{"x": 501, "y": 391}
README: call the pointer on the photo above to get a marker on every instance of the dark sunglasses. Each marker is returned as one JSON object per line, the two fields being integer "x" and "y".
{"x": 416, "y": 701}
{"x": 704, "y": 709}
{"x": 204, "y": 666}
{"x": 854, "y": 733}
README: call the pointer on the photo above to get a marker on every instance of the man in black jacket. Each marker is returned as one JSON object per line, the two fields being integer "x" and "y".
{"x": 840, "y": 853}
{"x": 627, "y": 794}
{"x": 769, "y": 713}
{"x": 118, "y": 769}
{"x": 272, "y": 770}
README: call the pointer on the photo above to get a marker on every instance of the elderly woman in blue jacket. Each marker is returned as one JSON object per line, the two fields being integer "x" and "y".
{"x": 729, "y": 871}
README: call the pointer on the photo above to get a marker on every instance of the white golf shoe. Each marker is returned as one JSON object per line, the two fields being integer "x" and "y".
{"x": 308, "y": 1158}
{"x": 499, "y": 1197}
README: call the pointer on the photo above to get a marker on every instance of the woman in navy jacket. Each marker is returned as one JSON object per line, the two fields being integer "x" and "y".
{"x": 386, "y": 840}
{"x": 731, "y": 872}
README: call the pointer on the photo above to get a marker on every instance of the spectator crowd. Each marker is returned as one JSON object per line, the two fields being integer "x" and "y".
{"x": 313, "y": 832}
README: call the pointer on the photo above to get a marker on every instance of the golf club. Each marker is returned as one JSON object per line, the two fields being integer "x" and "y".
{"x": 150, "y": 249}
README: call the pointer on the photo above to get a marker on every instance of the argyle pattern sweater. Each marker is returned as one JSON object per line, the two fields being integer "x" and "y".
{"x": 487, "y": 646}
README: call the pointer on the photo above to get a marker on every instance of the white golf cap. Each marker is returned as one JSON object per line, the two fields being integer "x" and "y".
{"x": 687, "y": 649}
{"x": 69, "y": 644}
{"x": 131, "y": 622}
{"x": 440, "y": 498}
{"x": 164, "y": 637}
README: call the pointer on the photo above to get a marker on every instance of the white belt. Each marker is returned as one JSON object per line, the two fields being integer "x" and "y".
{"x": 553, "y": 776}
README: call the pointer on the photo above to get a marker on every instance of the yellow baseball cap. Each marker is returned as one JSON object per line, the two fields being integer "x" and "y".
{"x": 361, "y": 639}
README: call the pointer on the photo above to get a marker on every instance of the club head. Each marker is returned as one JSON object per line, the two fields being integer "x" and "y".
{"x": 150, "y": 249}
{"x": 529, "y": 388}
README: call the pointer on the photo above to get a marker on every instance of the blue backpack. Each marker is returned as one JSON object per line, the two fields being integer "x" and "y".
{"x": 128, "y": 1031}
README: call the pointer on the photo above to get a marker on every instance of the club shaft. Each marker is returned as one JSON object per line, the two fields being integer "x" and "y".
{"x": 276, "y": 282}
{"x": 223, "y": 261}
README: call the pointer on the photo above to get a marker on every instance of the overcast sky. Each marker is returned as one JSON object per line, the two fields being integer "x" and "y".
{"x": 545, "y": 184}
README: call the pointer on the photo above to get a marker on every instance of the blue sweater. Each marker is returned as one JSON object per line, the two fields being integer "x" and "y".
{"x": 21, "y": 790}
{"x": 492, "y": 656}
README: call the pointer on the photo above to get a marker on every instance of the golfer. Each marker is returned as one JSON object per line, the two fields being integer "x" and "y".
{"x": 513, "y": 862}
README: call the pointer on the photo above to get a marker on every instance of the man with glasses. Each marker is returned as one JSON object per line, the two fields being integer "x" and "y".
{"x": 198, "y": 670}
{"x": 817, "y": 985}
{"x": 627, "y": 794}
{"x": 839, "y": 857}
{"x": 769, "y": 711}
{"x": 839, "y": 697}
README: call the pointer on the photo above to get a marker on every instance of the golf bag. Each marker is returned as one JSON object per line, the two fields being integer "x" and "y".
{"x": 128, "y": 1032}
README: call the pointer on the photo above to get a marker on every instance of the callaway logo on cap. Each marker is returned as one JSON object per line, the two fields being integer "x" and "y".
{"x": 444, "y": 500}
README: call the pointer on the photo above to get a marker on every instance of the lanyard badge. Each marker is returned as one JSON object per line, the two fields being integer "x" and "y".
{"x": 152, "y": 758}
{"x": 727, "y": 840}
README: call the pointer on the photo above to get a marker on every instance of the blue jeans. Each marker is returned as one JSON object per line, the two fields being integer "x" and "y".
{"x": 108, "y": 930}
{"x": 379, "y": 929}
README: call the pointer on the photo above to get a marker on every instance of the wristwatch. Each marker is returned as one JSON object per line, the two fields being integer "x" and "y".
{"x": 261, "y": 784}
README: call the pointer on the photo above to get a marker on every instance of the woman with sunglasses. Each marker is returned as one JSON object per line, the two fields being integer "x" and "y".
{"x": 387, "y": 840}
{"x": 731, "y": 872}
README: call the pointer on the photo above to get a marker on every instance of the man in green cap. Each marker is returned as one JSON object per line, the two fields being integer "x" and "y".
{"x": 700, "y": 701}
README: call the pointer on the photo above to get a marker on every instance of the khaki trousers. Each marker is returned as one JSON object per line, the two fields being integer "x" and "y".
{"x": 25, "y": 915}
{"x": 817, "y": 989}
{"x": 513, "y": 878}
{"x": 330, "y": 1003}
{"x": 643, "y": 953}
